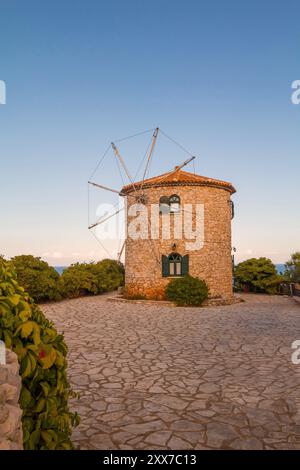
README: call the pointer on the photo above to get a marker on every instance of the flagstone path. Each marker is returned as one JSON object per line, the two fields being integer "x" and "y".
{"x": 157, "y": 377}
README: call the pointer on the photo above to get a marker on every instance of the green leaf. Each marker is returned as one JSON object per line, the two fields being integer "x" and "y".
{"x": 25, "y": 313}
{"x": 47, "y": 356}
{"x": 13, "y": 299}
{"x": 25, "y": 398}
{"x": 33, "y": 361}
{"x": 34, "y": 438}
{"x": 26, "y": 329}
{"x": 46, "y": 388}
{"x": 50, "y": 438}
{"x": 7, "y": 338}
{"x": 25, "y": 367}
{"x": 36, "y": 334}
{"x": 40, "y": 405}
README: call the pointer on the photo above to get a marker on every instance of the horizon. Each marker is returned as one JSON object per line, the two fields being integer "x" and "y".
{"x": 67, "y": 266}
{"x": 80, "y": 75}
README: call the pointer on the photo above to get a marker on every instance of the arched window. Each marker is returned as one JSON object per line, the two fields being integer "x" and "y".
{"x": 164, "y": 206}
{"x": 175, "y": 265}
{"x": 174, "y": 202}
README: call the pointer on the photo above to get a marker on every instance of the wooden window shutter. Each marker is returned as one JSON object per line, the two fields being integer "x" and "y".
{"x": 232, "y": 209}
{"x": 165, "y": 266}
{"x": 185, "y": 265}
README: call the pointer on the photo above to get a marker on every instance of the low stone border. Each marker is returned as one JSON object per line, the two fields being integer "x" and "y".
{"x": 206, "y": 303}
{"x": 140, "y": 301}
{"x": 11, "y": 434}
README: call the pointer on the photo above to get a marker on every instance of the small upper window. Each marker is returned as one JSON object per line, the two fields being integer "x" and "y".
{"x": 164, "y": 205}
{"x": 232, "y": 209}
{"x": 174, "y": 202}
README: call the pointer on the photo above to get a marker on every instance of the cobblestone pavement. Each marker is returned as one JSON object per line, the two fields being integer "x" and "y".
{"x": 157, "y": 377}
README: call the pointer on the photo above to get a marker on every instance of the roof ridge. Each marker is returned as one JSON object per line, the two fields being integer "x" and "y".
{"x": 179, "y": 177}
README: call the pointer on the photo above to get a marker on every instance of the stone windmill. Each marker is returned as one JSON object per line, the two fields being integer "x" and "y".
{"x": 177, "y": 223}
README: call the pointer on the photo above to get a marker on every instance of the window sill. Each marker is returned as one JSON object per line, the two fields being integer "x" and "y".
{"x": 172, "y": 277}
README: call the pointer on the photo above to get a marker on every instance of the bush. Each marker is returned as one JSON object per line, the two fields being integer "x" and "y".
{"x": 187, "y": 290}
{"x": 77, "y": 280}
{"x": 292, "y": 268}
{"x": 91, "y": 278}
{"x": 110, "y": 275}
{"x": 38, "y": 278}
{"x": 257, "y": 275}
{"x": 47, "y": 421}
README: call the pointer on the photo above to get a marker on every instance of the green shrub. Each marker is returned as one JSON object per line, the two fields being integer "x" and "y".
{"x": 292, "y": 268}
{"x": 38, "y": 278}
{"x": 77, "y": 280}
{"x": 109, "y": 275}
{"x": 187, "y": 290}
{"x": 91, "y": 278}
{"x": 47, "y": 421}
{"x": 257, "y": 275}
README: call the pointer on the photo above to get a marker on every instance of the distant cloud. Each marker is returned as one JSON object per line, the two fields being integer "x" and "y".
{"x": 54, "y": 255}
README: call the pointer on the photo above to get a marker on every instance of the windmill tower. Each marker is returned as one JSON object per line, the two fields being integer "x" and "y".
{"x": 152, "y": 260}
{"x": 165, "y": 212}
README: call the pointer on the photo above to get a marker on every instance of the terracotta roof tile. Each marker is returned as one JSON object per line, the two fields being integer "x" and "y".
{"x": 178, "y": 178}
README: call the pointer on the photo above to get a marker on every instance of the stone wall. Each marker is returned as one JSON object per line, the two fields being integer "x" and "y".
{"x": 212, "y": 262}
{"x": 11, "y": 435}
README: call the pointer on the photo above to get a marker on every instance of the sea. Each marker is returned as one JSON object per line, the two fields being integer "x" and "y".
{"x": 60, "y": 269}
{"x": 280, "y": 268}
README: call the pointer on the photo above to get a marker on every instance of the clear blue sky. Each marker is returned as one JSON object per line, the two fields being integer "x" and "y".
{"x": 215, "y": 75}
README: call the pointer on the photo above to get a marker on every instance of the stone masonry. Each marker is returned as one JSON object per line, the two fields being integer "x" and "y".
{"x": 11, "y": 435}
{"x": 153, "y": 376}
{"x": 212, "y": 262}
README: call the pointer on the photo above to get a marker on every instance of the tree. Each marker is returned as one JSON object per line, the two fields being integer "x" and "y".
{"x": 257, "y": 275}
{"x": 36, "y": 276}
{"x": 292, "y": 267}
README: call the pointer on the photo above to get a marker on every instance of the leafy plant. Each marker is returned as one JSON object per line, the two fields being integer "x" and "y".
{"x": 91, "y": 278}
{"x": 109, "y": 275}
{"x": 47, "y": 421}
{"x": 187, "y": 290}
{"x": 292, "y": 268}
{"x": 77, "y": 280}
{"x": 257, "y": 275}
{"x": 38, "y": 278}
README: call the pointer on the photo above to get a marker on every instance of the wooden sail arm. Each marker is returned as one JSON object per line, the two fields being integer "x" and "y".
{"x": 117, "y": 153}
{"x": 150, "y": 151}
{"x": 110, "y": 189}
{"x": 121, "y": 251}
{"x": 189, "y": 160}
{"x": 177, "y": 168}
{"x": 101, "y": 221}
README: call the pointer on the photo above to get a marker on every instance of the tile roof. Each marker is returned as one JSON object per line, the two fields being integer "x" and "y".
{"x": 179, "y": 178}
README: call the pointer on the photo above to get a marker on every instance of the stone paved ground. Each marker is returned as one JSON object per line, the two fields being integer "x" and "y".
{"x": 157, "y": 377}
